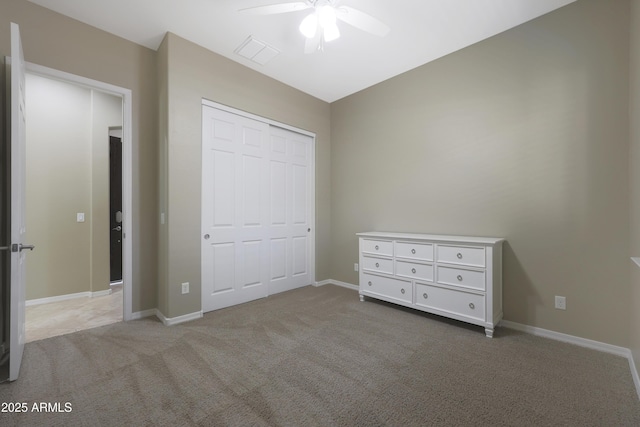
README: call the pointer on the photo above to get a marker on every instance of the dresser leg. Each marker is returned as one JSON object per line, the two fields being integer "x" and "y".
{"x": 488, "y": 332}
{"x": 361, "y": 298}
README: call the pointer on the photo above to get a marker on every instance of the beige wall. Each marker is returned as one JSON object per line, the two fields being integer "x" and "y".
{"x": 634, "y": 180}
{"x": 58, "y": 186}
{"x": 195, "y": 73}
{"x": 68, "y": 173}
{"x": 524, "y": 136}
{"x": 64, "y": 44}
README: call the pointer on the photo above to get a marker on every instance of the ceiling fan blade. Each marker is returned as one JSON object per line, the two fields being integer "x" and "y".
{"x": 362, "y": 21}
{"x": 272, "y": 9}
{"x": 313, "y": 44}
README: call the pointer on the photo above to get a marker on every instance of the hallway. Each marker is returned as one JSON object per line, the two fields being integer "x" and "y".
{"x": 64, "y": 317}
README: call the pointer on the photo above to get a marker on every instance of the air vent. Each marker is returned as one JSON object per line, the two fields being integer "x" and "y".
{"x": 257, "y": 51}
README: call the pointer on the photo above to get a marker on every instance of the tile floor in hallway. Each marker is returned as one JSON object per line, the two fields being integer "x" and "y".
{"x": 63, "y": 317}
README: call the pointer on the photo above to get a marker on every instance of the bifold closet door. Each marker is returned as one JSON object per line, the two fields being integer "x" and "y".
{"x": 255, "y": 191}
{"x": 291, "y": 202}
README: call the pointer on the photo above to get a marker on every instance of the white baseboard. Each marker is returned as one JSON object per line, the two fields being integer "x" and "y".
{"x": 144, "y": 313}
{"x": 337, "y": 283}
{"x": 558, "y": 336}
{"x": 170, "y": 321}
{"x": 583, "y": 342}
{"x": 634, "y": 373}
{"x": 101, "y": 293}
{"x": 58, "y": 298}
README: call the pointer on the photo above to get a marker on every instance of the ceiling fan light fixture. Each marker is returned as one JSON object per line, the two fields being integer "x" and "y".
{"x": 320, "y": 26}
{"x": 309, "y": 26}
{"x": 331, "y": 33}
{"x": 326, "y": 16}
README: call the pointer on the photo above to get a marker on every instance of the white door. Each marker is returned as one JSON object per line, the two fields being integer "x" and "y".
{"x": 18, "y": 229}
{"x": 234, "y": 220}
{"x": 290, "y": 208}
{"x": 256, "y": 208}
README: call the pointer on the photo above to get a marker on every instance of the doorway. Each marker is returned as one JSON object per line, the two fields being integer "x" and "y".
{"x": 68, "y": 169}
{"x": 124, "y": 133}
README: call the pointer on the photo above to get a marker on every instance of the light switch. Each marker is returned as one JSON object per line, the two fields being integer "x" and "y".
{"x": 80, "y": 217}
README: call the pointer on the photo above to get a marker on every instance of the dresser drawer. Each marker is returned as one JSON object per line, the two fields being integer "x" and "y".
{"x": 450, "y": 301}
{"x": 417, "y": 251}
{"x": 379, "y": 265}
{"x": 392, "y": 288}
{"x": 414, "y": 271}
{"x": 378, "y": 247}
{"x": 462, "y": 255}
{"x": 460, "y": 277}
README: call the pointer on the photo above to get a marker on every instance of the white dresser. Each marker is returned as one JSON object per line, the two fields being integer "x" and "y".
{"x": 453, "y": 276}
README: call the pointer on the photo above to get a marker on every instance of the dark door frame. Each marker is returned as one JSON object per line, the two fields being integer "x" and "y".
{"x": 115, "y": 205}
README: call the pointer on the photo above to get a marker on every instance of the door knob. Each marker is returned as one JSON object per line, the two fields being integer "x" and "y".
{"x": 19, "y": 247}
{"x": 118, "y": 228}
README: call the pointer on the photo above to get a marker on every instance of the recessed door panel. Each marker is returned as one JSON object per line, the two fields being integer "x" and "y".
{"x": 223, "y": 267}
{"x": 278, "y": 193}
{"x": 251, "y": 263}
{"x": 300, "y": 151}
{"x": 252, "y": 180}
{"x": 223, "y": 130}
{"x": 299, "y": 194}
{"x": 223, "y": 188}
{"x": 299, "y": 255}
{"x": 278, "y": 145}
{"x": 278, "y": 259}
{"x": 252, "y": 137}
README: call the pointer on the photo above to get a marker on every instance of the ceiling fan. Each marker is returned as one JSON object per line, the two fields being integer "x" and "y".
{"x": 321, "y": 25}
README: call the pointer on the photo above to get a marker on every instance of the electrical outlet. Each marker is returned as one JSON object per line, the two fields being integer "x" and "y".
{"x": 356, "y": 267}
{"x": 561, "y": 303}
{"x": 185, "y": 288}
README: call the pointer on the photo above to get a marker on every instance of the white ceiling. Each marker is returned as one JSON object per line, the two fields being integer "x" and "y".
{"x": 421, "y": 31}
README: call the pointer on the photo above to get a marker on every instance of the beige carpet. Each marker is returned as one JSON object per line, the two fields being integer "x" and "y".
{"x": 317, "y": 356}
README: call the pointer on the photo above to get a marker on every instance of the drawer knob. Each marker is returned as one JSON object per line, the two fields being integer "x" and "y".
{"x": 377, "y": 264}
{"x": 413, "y": 270}
{"x": 459, "y": 278}
{"x": 471, "y": 306}
{"x": 402, "y": 291}
{"x": 369, "y": 283}
{"x": 377, "y": 247}
{"x": 425, "y": 296}
{"x": 459, "y": 255}
{"x": 413, "y": 251}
